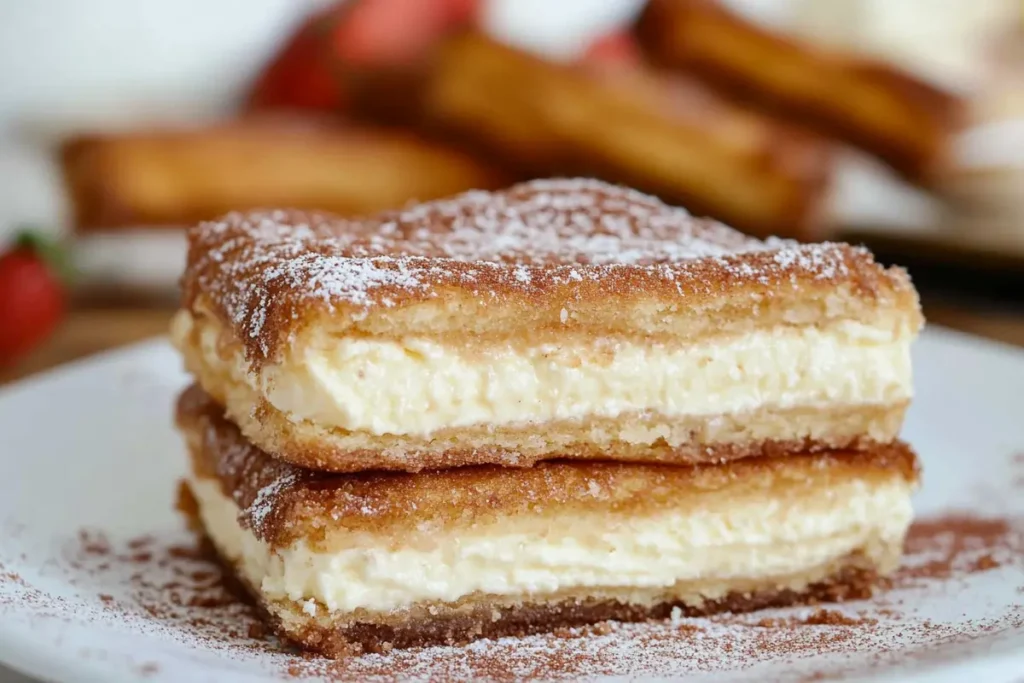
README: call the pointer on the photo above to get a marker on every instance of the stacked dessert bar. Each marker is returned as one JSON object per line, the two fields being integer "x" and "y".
{"x": 558, "y": 404}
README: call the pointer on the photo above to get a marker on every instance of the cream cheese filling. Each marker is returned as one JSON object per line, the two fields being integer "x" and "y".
{"x": 419, "y": 386}
{"x": 748, "y": 538}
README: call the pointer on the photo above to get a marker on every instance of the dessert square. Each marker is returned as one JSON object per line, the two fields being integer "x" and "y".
{"x": 556, "y": 319}
{"x": 349, "y": 563}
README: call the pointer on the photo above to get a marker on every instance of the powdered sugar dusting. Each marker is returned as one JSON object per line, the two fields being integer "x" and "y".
{"x": 261, "y": 268}
{"x": 562, "y": 221}
{"x": 258, "y": 489}
{"x": 263, "y": 504}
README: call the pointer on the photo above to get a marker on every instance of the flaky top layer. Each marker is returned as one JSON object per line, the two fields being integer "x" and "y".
{"x": 540, "y": 246}
{"x": 281, "y": 502}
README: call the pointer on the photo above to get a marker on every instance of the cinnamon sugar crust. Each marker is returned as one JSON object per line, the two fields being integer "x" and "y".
{"x": 540, "y": 258}
{"x": 281, "y": 503}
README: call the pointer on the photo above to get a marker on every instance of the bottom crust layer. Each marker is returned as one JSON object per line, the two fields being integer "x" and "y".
{"x": 530, "y": 618}
{"x": 853, "y": 578}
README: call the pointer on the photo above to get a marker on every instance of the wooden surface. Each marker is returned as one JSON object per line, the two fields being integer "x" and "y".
{"x": 86, "y": 332}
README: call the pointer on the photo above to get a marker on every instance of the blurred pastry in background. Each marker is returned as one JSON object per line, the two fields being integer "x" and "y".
{"x": 986, "y": 194}
{"x": 667, "y": 136}
{"x": 122, "y": 186}
{"x": 947, "y": 43}
{"x": 987, "y": 189}
{"x": 179, "y": 177}
{"x": 899, "y": 118}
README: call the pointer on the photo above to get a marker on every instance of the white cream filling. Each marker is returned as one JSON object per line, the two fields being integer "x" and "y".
{"x": 418, "y": 386}
{"x": 733, "y": 539}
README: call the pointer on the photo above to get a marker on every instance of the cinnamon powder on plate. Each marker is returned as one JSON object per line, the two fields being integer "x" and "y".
{"x": 175, "y": 588}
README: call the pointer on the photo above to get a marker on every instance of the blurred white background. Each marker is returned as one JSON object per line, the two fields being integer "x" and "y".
{"x": 69, "y": 65}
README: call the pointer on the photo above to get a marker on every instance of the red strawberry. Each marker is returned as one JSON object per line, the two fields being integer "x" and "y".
{"x": 311, "y": 69}
{"x": 32, "y": 298}
{"x": 380, "y": 32}
{"x": 464, "y": 11}
{"x": 303, "y": 74}
{"x": 618, "y": 47}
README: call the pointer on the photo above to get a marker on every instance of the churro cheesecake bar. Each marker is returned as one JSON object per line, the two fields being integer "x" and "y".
{"x": 558, "y": 318}
{"x": 348, "y": 563}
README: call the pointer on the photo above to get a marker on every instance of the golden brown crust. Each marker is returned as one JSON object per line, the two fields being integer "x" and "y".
{"x": 844, "y": 427}
{"x": 661, "y": 134}
{"x": 893, "y": 115}
{"x": 180, "y": 176}
{"x": 543, "y": 256}
{"x": 281, "y": 502}
{"x": 853, "y": 578}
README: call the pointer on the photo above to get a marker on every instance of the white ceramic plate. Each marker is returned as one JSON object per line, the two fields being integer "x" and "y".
{"x": 91, "y": 446}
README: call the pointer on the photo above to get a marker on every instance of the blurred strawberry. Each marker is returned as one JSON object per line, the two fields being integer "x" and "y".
{"x": 385, "y": 32}
{"x": 32, "y": 298}
{"x": 617, "y": 48}
{"x": 311, "y": 70}
{"x": 464, "y": 11}
{"x": 303, "y": 74}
